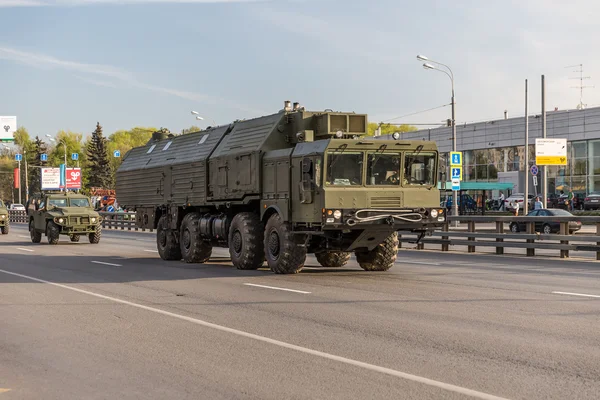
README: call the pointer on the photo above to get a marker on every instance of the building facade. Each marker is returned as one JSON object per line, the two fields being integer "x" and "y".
{"x": 494, "y": 151}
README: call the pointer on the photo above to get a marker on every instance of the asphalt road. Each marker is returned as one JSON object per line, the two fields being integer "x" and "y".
{"x": 113, "y": 321}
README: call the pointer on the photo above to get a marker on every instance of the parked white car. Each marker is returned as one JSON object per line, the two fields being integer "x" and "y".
{"x": 518, "y": 197}
{"x": 17, "y": 207}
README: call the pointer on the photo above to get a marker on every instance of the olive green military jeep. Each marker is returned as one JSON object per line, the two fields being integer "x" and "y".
{"x": 63, "y": 213}
{"x": 4, "y": 220}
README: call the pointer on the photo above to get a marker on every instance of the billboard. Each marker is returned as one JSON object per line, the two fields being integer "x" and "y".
{"x": 551, "y": 151}
{"x": 52, "y": 180}
{"x": 8, "y": 126}
{"x": 73, "y": 178}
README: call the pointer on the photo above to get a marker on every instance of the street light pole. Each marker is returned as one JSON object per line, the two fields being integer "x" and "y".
{"x": 450, "y": 75}
{"x": 199, "y": 118}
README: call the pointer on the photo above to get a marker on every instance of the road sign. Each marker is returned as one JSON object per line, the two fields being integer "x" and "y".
{"x": 116, "y": 154}
{"x": 456, "y": 173}
{"x": 534, "y": 180}
{"x": 551, "y": 151}
{"x": 455, "y": 184}
{"x": 74, "y": 156}
{"x": 43, "y": 157}
{"x": 456, "y": 158}
{"x": 73, "y": 178}
{"x": 534, "y": 170}
{"x": 18, "y": 157}
{"x": 8, "y": 126}
{"x": 50, "y": 178}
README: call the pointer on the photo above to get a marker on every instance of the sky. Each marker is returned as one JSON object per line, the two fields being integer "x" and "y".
{"x": 67, "y": 64}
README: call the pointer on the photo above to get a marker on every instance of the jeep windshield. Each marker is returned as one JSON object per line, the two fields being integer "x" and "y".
{"x": 419, "y": 169}
{"x": 79, "y": 203}
{"x": 344, "y": 168}
{"x": 54, "y": 202}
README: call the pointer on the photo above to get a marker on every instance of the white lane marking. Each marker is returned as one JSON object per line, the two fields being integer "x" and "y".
{"x": 419, "y": 262}
{"x": 578, "y": 294}
{"x": 27, "y": 237}
{"x": 344, "y": 360}
{"x": 105, "y": 263}
{"x": 24, "y": 249}
{"x": 277, "y": 288}
{"x": 152, "y": 251}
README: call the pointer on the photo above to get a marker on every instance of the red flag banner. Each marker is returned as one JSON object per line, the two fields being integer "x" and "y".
{"x": 17, "y": 179}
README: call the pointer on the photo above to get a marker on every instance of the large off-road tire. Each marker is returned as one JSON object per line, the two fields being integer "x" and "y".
{"x": 246, "y": 241}
{"x": 5, "y": 229}
{"x": 335, "y": 259}
{"x": 283, "y": 255}
{"x": 382, "y": 257}
{"x": 52, "y": 232}
{"x": 166, "y": 241}
{"x": 94, "y": 238}
{"x": 193, "y": 248}
{"x": 36, "y": 237}
{"x": 74, "y": 238}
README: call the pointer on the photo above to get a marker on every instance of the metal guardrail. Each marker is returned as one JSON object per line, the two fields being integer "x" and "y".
{"x": 17, "y": 216}
{"x": 500, "y": 239}
{"x": 120, "y": 220}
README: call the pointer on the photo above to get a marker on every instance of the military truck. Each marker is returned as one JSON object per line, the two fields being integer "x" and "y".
{"x": 4, "y": 219}
{"x": 280, "y": 186}
{"x": 63, "y": 213}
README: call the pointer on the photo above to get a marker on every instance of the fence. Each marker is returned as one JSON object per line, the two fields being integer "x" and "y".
{"x": 17, "y": 216}
{"x": 120, "y": 220}
{"x": 564, "y": 242}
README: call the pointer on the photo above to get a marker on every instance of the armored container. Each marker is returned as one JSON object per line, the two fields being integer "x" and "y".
{"x": 281, "y": 186}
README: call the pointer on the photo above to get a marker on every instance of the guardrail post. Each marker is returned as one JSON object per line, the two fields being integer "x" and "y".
{"x": 399, "y": 240}
{"x": 564, "y": 230}
{"x": 445, "y": 229}
{"x": 499, "y": 230}
{"x": 471, "y": 228}
{"x": 530, "y": 230}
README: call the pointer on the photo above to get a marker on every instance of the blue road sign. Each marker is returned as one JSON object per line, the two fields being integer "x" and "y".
{"x": 74, "y": 156}
{"x": 455, "y": 184}
{"x": 43, "y": 157}
{"x": 534, "y": 170}
{"x": 455, "y": 158}
{"x": 116, "y": 154}
{"x": 456, "y": 173}
{"x": 18, "y": 157}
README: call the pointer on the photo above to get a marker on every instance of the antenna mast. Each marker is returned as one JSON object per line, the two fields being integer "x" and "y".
{"x": 580, "y": 106}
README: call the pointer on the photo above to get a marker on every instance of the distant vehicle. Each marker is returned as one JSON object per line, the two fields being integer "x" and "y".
{"x": 4, "y": 221}
{"x": 547, "y": 226}
{"x": 467, "y": 200}
{"x": 17, "y": 207}
{"x": 578, "y": 201}
{"x": 518, "y": 197}
{"x": 592, "y": 201}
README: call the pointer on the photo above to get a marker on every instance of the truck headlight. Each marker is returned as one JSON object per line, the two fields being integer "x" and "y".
{"x": 2, "y": 216}
{"x": 93, "y": 219}
{"x": 434, "y": 213}
{"x": 60, "y": 220}
{"x": 337, "y": 214}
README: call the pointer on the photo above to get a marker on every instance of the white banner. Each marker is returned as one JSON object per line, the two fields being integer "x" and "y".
{"x": 50, "y": 178}
{"x": 8, "y": 126}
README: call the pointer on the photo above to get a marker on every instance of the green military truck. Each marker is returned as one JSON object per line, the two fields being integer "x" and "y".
{"x": 278, "y": 187}
{"x": 4, "y": 219}
{"x": 64, "y": 213}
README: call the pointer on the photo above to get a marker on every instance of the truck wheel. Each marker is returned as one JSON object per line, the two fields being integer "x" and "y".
{"x": 36, "y": 237}
{"x": 166, "y": 241}
{"x": 382, "y": 257}
{"x": 334, "y": 259}
{"x": 74, "y": 238}
{"x": 5, "y": 228}
{"x": 246, "y": 241}
{"x": 94, "y": 238}
{"x": 283, "y": 255}
{"x": 193, "y": 248}
{"x": 52, "y": 232}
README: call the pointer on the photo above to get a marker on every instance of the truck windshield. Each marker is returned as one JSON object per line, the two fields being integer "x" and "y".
{"x": 80, "y": 203}
{"x": 344, "y": 169}
{"x": 57, "y": 202}
{"x": 383, "y": 169}
{"x": 419, "y": 168}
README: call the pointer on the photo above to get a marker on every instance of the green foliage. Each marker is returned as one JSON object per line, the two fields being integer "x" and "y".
{"x": 39, "y": 148}
{"x": 124, "y": 141}
{"x": 99, "y": 169}
{"x": 388, "y": 129}
{"x": 191, "y": 129}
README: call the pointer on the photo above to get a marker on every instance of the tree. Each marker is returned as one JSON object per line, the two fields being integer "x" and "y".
{"x": 388, "y": 129}
{"x": 99, "y": 171}
{"x": 35, "y": 183}
{"x": 125, "y": 140}
{"x": 191, "y": 129}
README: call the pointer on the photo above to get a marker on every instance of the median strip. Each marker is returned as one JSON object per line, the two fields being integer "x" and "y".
{"x": 105, "y": 263}
{"x": 277, "y": 288}
{"x": 578, "y": 294}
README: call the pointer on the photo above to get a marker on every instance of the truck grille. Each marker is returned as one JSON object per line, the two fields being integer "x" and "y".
{"x": 79, "y": 220}
{"x": 392, "y": 201}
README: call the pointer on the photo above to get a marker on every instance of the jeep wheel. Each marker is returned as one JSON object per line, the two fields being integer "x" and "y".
{"x": 166, "y": 241}
{"x": 52, "y": 232}
{"x": 382, "y": 257}
{"x": 283, "y": 255}
{"x": 193, "y": 248}
{"x": 246, "y": 241}
{"x": 335, "y": 259}
{"x": 94, "y": 238}
{"x": 36, "y": 237}
{"x": 74, "y": 238}
{"x": 5, "y": 228}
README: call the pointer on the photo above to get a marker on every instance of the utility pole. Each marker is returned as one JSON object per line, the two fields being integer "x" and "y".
{"x": 545, "y": 174}
{"x": 526, "y": 197}
{"x": 26, "y": 177}
{"x": 580, "y": 106}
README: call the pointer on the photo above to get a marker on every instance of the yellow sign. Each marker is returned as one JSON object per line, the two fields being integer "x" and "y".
{"x": 551, "y": 160}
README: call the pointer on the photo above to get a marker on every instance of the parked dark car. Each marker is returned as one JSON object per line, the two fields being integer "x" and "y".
{"x": 592, "y": 201}
{"x": 547, "y": 225}
{"x": 578, "y": 200}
